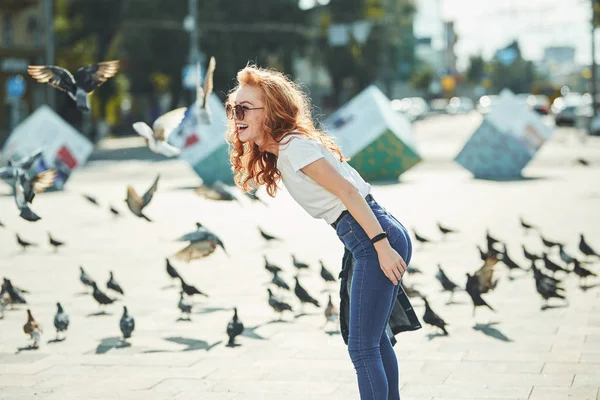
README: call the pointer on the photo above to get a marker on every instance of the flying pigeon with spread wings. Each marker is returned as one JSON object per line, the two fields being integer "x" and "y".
{"x": 158, "y": 135}
{"x": 78, "y": 85}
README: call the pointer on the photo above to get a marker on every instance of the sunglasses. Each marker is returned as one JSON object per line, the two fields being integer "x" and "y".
{"x": 238, "y": 111}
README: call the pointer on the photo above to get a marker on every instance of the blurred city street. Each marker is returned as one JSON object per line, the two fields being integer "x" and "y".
{"x": 519, "y": 352}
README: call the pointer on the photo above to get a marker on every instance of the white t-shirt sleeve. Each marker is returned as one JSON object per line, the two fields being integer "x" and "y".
{"x": 300, "y": 152}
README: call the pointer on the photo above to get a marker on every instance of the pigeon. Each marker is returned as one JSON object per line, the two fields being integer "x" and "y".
{"x": 547, "y": 288}
{"x": 91, "y": 199}
{"x": 549, "y": 243}
{"x": 509, "y": 262}
{"x": 445, "y": 230}
{"x": 202, "y": 243}
{"x": 472, "y": 289}
{"x": 2, "y": 225}
{"x": 431, "y": 318}
{"x": 411, "y": 291}
{"x": 491, "y": 241}
{"x": 12, "y": 167}
{"x": 483, "y": 254}
{"x": 585, "y": 248}
{"x": 55, "y": 243}
{"x": 421, "y": 238}
{"x": 61, "y": 320}
{"x": 271, "y": 267}
{"x": 136, "y": 203}
{"x": 203, "y": 113}
{"x": 581, "y": 272}
{"x": 582, "y": 161}
{"x": 127, "y": 324}
{"x": 552, "y": 266}
{"x": 447, "y": 284}
{"x": 298, "y": 264}
{"x": 100, "y": 296}
{"x": 33, "y": 329}
{"x": 217, "y": 191}
{"x": 331, "y": 312}
{"x": 189, "y": 289}
{"x": 77, "y": 86}
{"x": 413, "y": 270}
{"x": 526, "y": 226}
{"x": 24, "y": 243}
{"x": 25, "y": 188}
{"x": 171, "y": 270}
{"x": 114, "y": 211}
{"x": 303, "y": 295}
{"x": 158, "y": 136}
{"x": 185, "y": 307}
{"x": 113, "y": 285}
{"x": 15, "y": 295}
{"x": 85, "y": 279}
{"x": 279, "y": 282}
{"x": 567, "y": 259}
{"x": 325, "y": 274}
{"x": 235, "y": 327}
{"x": 484, "y": 276}
{"x": 277, "y": 305}
{"x": 267, "y": 236}
{"x": 530, "y": 256}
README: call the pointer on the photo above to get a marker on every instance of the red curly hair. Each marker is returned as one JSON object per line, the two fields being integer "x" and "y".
{"x": 287, "y": 109}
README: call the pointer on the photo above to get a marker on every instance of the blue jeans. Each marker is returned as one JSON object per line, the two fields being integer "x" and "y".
{"x": 372, "y": 296}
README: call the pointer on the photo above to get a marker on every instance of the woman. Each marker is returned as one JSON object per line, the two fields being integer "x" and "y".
{"x": 273, "y": 138}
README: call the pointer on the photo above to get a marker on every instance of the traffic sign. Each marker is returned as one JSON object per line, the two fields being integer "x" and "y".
{"x": 15, "y": 86}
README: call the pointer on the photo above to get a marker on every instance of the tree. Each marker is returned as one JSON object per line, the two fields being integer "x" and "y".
{"x": 422, "y": 78}
{"x": 476, "y": 69}
{"x": 517, "y": 75}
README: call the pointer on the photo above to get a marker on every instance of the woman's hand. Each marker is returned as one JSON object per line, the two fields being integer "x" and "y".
{"x": 391, "y": 263}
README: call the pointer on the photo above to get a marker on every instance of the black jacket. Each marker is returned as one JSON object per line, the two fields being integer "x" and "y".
{"x": 403, "y": 316}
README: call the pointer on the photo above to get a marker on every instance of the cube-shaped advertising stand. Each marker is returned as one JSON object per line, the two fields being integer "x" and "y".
{"x": 378, "y": 140}
{"x": 204, "y": 146}
{"x": 64, "y": 148}
{"x": 506, "y": 140}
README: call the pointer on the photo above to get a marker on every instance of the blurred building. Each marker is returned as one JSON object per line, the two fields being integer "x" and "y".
{"x": 429, "y": 32}
{"x": 21, "y": 43}
{"x": 559, "y": 64}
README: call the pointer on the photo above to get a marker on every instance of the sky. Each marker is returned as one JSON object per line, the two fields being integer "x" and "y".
{"x": 483, "y": 26}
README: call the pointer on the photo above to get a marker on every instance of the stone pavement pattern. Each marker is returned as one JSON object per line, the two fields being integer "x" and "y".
{"x": 520, "y": 352}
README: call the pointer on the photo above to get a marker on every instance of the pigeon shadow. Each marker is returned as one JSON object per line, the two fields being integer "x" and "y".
{"x": 168, "y": 287}
{"x": 107, "y": 344}
{"x": 333, "y": 333}
{"x": 27, "y": 348}
{"x": 56, "y": 340}
{"x": 99, "y": 313}
{"x": 277, "y": 321}
{"x": 548, "y": 306}
{"x": 433, "y": 335}
{"x": 489, "y": 330}
{"x": 81, "y": 294}
{"x": 588, "y": 287}
{"x": 181, "y": 319}
{"x": 501, "y": 179}
{"x": 250, "y": 332}
{"x": 232, "y": 345}
{"x": 305, "y": 314}
{"x": 192, "y": 344}
{"x": 208, "y": 310}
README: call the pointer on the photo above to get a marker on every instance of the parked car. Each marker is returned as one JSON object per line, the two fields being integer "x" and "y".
{"x": 438, "y": 106}
{"x": 413, "y": 107}
{"x": 565, "y": 108}
{"x": 460, "y": 105}
{"x": 486, "y": 103}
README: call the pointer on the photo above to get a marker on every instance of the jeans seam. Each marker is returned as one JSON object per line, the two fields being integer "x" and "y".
{"x": 360, "y": 352}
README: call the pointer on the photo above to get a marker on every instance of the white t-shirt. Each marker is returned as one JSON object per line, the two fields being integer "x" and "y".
{"x": 296, "y": 152}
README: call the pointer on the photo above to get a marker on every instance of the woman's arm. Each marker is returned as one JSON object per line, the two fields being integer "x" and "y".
{"x": 322, "y": 172}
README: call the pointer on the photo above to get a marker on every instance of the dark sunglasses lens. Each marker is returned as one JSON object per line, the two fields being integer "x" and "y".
{"x": 239, "y": 112}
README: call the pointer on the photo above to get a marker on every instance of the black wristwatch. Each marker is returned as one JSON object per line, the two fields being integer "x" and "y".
{"x": 378, "y": 237}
